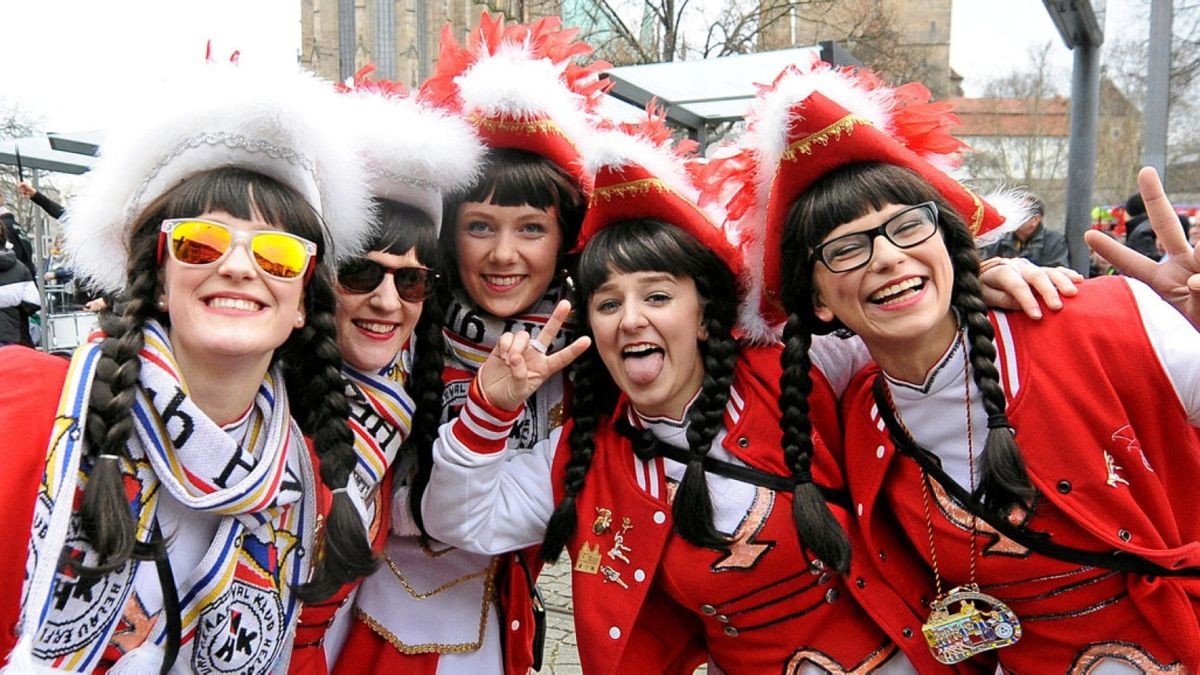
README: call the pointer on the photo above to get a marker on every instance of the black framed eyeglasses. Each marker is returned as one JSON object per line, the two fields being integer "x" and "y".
{"x": 905, "y": 229}
{"x": 363, "y": 275}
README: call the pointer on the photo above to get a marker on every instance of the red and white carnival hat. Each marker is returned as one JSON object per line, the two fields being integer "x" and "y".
{"x": 521, "y": 87}
{"x": 815, "y": 118}
{"x": 641, "y": 173}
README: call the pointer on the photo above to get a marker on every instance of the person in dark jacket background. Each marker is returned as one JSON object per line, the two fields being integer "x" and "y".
{"x": 18, "y": 298}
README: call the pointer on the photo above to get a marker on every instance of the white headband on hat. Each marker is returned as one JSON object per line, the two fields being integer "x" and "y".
{"x": 217, "y": 116}
{"x": 412, "y": 152}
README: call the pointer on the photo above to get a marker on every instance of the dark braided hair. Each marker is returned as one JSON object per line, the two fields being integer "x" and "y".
{"x": 402, "y": 228}
{"x": 105, "y": 512}
{"x": 819, "y": 531}
{"x": 851, "y": 192}
{"x": 652, "y": 245}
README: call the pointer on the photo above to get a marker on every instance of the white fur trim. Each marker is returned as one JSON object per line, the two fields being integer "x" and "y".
{"x": 412, "y": 153}
{"x": 219, "y": 115}
{"x": 1011, "y": 203}
{"x": 512, "y": 83}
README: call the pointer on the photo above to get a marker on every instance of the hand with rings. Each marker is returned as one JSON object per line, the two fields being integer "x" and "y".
{"x": 519, "y": 363}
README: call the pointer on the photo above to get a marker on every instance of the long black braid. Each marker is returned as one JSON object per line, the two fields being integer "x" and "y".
{"x": 426, "y": 387}
{"x": 1003, "y": 480}
{"x": 317, "y": 390}
{"x": 819, "y": 531}
{"x": 591, "y": 389}
{"x": 106, "y": 517}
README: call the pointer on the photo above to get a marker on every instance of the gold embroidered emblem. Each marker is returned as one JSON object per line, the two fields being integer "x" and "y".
{"x": 588, "y": 560}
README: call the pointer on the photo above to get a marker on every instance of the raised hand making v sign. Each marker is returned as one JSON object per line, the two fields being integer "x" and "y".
{"x": 1177, "y": 276}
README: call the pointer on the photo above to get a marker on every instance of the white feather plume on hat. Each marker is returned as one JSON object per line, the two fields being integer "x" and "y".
{"x": 218, "y": 115}
{"x": 412, "y": 152}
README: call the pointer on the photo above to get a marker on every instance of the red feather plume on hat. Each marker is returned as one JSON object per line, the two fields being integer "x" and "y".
{"x": 546, "y": 39}
{"x": 523, "y": 87}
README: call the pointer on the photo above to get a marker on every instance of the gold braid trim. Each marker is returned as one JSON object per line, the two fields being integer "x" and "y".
{"x": 509, "y": 125}
{"x": 804, "y": 146}
{"x": 641, "y": 186}
{"x": 489, "y": 593}
{"x": 977, "y": 216}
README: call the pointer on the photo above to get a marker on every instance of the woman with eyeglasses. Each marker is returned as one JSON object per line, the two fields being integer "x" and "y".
{"x": 1025, "y": 485}
{"x": 390, "y": 336}
{"x": 169, "y": 485}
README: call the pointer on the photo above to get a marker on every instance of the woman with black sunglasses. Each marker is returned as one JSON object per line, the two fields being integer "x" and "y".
{"x": 390, "y": 336}
{"x": 433, "y": 608}
{"x": 170, "y": 488}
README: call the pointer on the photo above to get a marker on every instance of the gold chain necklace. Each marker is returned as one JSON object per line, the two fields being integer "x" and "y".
{"x": 964, "y": 621}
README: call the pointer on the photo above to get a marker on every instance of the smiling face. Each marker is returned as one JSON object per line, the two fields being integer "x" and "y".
{"x": 900, "y": 300}
{"x": 373, "y": 327}
{"x": 646, "y": 326}
{"x": 507, "y": 255}
{"x": 230, "y": 311}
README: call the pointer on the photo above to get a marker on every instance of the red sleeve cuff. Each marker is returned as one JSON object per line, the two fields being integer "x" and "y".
{"x": 482, "y": 427}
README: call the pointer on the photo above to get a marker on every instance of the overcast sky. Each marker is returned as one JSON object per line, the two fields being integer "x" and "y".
{"x": 69, "y": 64}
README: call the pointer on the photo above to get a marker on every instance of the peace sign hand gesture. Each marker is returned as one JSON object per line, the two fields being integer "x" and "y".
{"x": 1177, "y": 276}
{"x": 519, "y": 364}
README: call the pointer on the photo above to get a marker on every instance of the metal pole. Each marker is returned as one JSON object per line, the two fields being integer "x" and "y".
{"x": 39, "y": 264}
{"x": 1158, "y": 69}
{"x": 1081, "y": 161}
{"x": 347, "y": 40}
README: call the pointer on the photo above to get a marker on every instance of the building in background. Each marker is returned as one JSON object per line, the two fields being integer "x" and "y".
{"x": 400, "y": 37}
{"x": 905, "y": 40}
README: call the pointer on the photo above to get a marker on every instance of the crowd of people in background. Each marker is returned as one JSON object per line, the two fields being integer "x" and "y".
{"x": 381, "y": 354}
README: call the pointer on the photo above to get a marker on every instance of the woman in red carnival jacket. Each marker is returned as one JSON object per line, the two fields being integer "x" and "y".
{"x": 1026, "y": 485}
{"x": 432, "y": 608}
{"x": 169, "y": 487}
{"x": 390, "y": 327}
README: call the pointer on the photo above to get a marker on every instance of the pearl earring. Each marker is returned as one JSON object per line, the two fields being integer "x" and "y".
{"x": 161, "y": 304}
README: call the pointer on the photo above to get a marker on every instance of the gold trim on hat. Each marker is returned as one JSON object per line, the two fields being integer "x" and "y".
{"x": 833, "y": 131}
{"x": 507, "y": 125}
{"x": 977, "y": 217}
{"x": 642, "y": 186}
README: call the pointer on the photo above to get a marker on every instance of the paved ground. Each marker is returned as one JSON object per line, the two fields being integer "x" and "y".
{"x": 561, "y": 656}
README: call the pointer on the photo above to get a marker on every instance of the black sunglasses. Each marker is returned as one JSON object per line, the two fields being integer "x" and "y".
{"x": 363, "y": 275}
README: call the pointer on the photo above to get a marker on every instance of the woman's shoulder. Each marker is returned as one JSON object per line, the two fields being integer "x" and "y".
{"x": 26, "y": 373}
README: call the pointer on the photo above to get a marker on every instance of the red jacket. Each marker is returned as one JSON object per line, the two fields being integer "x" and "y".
{"x": 1081, "y": 384}
{"x": 30, "y": 384}
{"x": 759, "y": 609}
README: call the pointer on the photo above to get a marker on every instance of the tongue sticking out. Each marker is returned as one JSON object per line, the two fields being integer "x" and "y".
{"x": 642, "y": 370}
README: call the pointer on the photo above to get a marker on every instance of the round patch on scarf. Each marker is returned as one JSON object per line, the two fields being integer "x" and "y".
{"x": 83, "y": 607}
{"x": 240, "y": 634}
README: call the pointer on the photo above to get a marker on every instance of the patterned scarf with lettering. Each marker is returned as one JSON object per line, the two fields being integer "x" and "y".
{"x": 237, "y": 605}
{"x": 472, "y": 333}
{"x": 381, "y": 417}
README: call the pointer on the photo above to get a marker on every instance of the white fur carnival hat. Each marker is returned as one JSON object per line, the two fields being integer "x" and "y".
{"x": 521, "y": 88}
{"x": 815, "y": 118}
{"x": 218, "y": 115}
{"x": 412, "y": 152}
